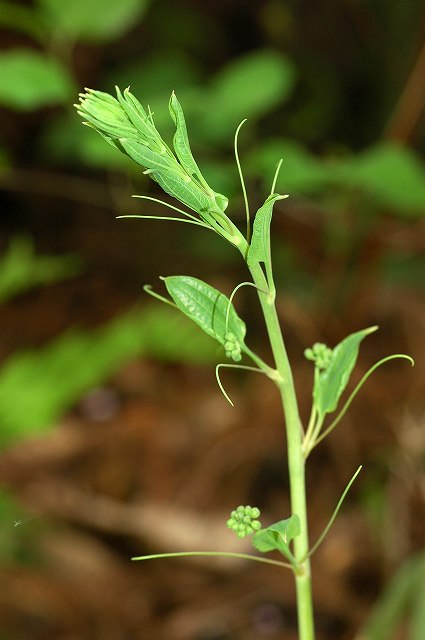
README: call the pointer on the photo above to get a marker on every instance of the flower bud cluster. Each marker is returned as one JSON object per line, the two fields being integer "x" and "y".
{"x": 320, "y": 354}
{"x": 232, "y": 347}
{"x": 243, "y": 521}
{"x": 127, "y": 126}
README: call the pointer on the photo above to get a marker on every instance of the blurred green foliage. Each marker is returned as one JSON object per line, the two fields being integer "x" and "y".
{"x": 38, "y": 386}
{"x": 29, "y": 80}
{"x": 17, "y": 539}
{"x": 401, "y": 605}
{"x": 94, "y": 20}
{"x": 21, "y": 269}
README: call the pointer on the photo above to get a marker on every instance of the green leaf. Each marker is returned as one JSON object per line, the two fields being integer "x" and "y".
{"x": 184, "y": 153}
{"x": 93, "y": 20}
{"x": 247, "y": 88}
{"x": 390, "y": 173}
{"x": 302, "y": 172}
{"x": 259, "y": 250}
{"x": 169, "y": 175}
{"x": 29, "y": 80}
{"x": 330, "y": 383}
{"x": 206, "y": 306}
{"x": 181, "y": 141}
{"x": 277, "y": 536}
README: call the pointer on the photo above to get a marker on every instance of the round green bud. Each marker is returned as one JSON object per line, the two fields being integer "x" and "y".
{"x": 308, "y": 353}
{"x": 243, "y": 520}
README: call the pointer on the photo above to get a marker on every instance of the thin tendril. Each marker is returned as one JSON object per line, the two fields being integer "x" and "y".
{"x": 279, "y": 164}
{"x": 170, "y": 218}
{"x": 219, "y": 554}
{"x": 150, "y": 115}
{"x": 245, "y": 197}
{"x": 232, "y": 366}
{"x": 357, "y": 389}
{"x": 229, "y": 304}
{"x": 334, "y": 515}
{"x": 166, "y": 204}
{"x": 148, "y": 289}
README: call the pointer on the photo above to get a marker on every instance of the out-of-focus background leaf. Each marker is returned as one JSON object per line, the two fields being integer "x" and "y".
{"x": 114, "y": 437}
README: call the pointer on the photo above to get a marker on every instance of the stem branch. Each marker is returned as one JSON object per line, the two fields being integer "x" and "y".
{"x": 296, "y": 463}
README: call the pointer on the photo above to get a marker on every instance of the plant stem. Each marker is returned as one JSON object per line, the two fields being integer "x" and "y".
{"x": 296, "y": 462}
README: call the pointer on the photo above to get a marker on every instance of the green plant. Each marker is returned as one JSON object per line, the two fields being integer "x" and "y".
{"x": 128, "y": 127}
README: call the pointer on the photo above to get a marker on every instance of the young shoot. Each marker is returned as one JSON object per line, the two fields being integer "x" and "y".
{"x": 126, "y": 125}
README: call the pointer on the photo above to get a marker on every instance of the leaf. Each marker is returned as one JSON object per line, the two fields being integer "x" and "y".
{"x": 390, "y": 173}
{"x": 29, "y": 80}
{"x": 184, "y": 153}
{"x": 278, "y": 536}
{"x": 206, "y": 306}
{"x": 259, "y": 250}
{"x": 302, "y": 172}
{"x": 330, "y": 383}
{"x": 169, "y": 175}
{"x": 93, "y": 20}
{"x": 246, "y": 88}
{"x": 181, "y": 141}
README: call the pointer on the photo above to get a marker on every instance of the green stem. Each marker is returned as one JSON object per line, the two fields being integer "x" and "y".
{"x": 296, "y": 462}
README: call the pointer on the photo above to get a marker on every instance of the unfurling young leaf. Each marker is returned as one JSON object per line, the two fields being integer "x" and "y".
{"x": 259, "y": 250}
{"x": 208, "y": 307}
{"x": 278, "y": 536}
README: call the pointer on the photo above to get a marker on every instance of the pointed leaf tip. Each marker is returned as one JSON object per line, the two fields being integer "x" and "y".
{"x": 331, "y": 382}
